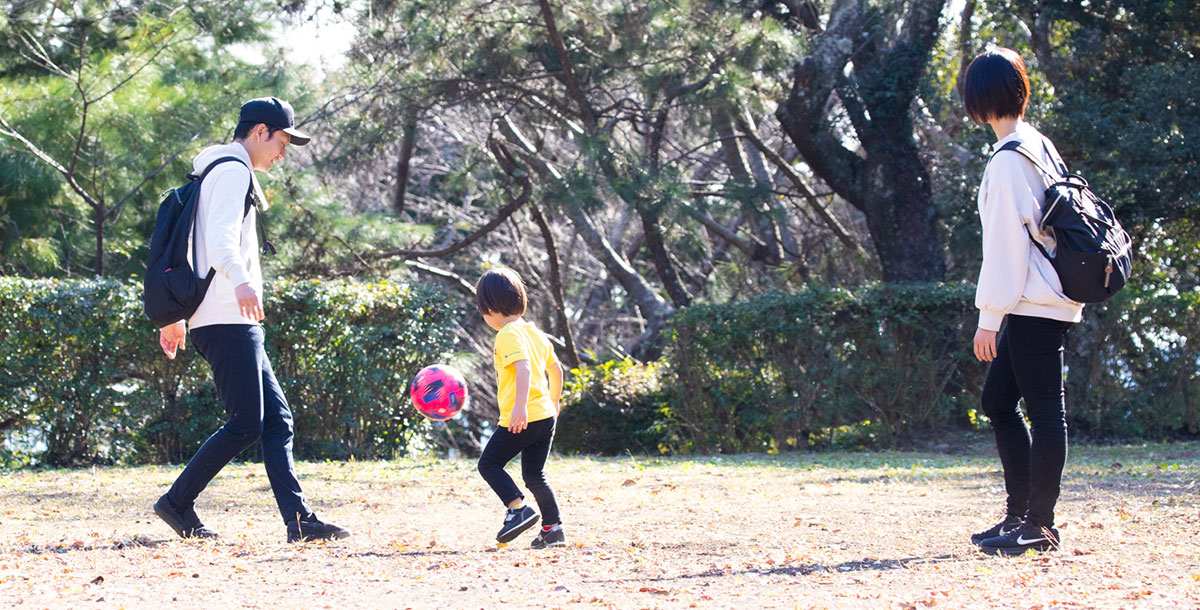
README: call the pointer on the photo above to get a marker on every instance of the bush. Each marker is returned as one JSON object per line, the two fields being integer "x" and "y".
{"x": 345, "y": 353}
{"x": 613, "y": 408}
{"x": 793, "y": 371}
{"x": 67, "y": 346}
{"x": 886, "y": 362}
{"x": 82, "y": 378}
{"x": 1132, "y": 367}
{"x": 83, "y": 374}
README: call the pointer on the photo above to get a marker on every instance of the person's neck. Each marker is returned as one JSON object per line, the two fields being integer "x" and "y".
{"x": 1004, "y": 127}
{"x": 505, "y": 321}
{"x": 249, "y": 153}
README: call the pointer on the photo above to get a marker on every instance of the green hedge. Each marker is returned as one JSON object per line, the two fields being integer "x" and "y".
{"x": 822, "y": 367}
{"x": 82, "y": 376}
{"x": 82, "y": 372}
{"x": 873, "y": 366}
{"x": 1134, "y": 367}
{"x": 613, "y": 408}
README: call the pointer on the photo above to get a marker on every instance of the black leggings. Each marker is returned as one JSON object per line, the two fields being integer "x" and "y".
{"x": 533, "y": 443}
{"x": 1029, "y": 365}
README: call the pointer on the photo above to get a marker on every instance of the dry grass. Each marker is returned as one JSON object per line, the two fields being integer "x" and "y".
{"x": 870, "y": 530}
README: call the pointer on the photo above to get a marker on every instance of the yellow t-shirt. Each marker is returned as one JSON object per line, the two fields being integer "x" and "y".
{"x": 521, "y": 340}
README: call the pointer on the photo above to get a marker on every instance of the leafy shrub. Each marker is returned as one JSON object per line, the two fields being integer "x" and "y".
{"x": 884, "y": 362}
{"x": 788, "y": 371}
{"x": 1133, "y": 367}
{"x": 82, "y": 372}
{"x": 345, "y": 352}
{"x": 74, "y": 355}
{"x": 612, "y": 408}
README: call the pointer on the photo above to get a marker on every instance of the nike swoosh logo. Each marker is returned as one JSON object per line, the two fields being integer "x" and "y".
{"x": 1021, "y": 539}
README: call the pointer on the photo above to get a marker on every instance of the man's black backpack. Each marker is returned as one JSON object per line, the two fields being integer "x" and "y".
{"x": 171, "y": 291}
{"x": 1093, "y": 258}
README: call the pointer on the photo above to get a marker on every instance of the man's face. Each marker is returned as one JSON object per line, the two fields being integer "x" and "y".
{"x": 265, "y": 149}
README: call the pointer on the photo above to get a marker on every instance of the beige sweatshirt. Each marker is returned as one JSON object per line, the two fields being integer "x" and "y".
{"x": 227, "y": 242}
{"x": 1015, "y": 277}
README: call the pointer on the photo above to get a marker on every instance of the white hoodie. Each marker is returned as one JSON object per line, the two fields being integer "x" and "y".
{"x": 1015, "y": 277}
{"x": 226, "y": 241}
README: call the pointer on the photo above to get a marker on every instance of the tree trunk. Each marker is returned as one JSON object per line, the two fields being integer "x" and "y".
{"x": 99, "y": 213}
{"x": 652, "y": 230}
{"x": 406, "y": 149}
{"x": 891, "y": 185}
{"x": 900, "y": 216}
{"x": 752, "y": 192}
{"x": 556, "y": 287}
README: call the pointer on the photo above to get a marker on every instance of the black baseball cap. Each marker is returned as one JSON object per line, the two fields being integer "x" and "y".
{"x": 274, "y": 112}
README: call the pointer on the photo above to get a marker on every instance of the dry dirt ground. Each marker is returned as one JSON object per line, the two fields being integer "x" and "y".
{"x": 830, "y": 530}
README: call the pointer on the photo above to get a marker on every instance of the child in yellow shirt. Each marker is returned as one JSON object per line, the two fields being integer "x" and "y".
{"x": 529, "y": 383}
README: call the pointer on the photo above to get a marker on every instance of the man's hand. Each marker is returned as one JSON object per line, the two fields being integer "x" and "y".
{"x": 249, "y": 302}
{"x": 170, "y": 338}
{"x": 518, "y": 421}
{"x": 985, "y": 344}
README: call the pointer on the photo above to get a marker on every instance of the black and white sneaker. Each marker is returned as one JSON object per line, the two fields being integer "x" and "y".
{"x": 1024, "y": 538}
{"x": 1009, "y": 523}
{"x": 185, "y": 522}
{"x": 312, "y": 528}
{"x": 516, "y": 521}
{"x": 549, "y": 538}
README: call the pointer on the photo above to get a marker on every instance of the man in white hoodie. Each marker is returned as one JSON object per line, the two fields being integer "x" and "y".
{"x": 226, "y": 328}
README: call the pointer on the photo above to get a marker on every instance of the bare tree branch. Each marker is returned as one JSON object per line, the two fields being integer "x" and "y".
{"x": 830, "y": 220}
{"x": 455, "y": 279}
{"x": 505, "y": 159}
{"x": 7, "y": 130}
{"x": 157, "y": 170}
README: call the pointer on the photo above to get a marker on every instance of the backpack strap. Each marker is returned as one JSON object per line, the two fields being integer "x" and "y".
{"x": 1018, "y": 147}
{"x": 250, "y": 201}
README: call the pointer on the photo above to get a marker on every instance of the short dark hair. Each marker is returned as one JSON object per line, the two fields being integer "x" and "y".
{"x": 996, "y": 86}
{"x": 243, "y": 129}
{"x": 501, "y": 291}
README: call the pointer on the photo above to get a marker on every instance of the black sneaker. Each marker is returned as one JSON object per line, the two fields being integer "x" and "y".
{"x": 1009, "y": 523}
{"x": 554, "y": 537}
{"x": 312, "y": 528}
{"x": 516, "y": 521}
{"x": 185, "y": 523}
{"x": 1026, "y": 537}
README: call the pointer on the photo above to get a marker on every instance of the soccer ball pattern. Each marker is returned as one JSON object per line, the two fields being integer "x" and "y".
{"x": 439, "y": 392}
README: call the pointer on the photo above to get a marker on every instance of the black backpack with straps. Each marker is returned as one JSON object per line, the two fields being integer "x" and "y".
{"x": 170, "y": 290}
{"x": 1093, "y": 258}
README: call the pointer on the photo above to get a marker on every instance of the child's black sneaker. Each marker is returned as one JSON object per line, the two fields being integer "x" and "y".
{"x": 185, "y": 522}
{"x": 547, "y": 538}
{"x": 312, "y": 528}
{"x": 1026, "y": 537}
{"x": 1009, "y": 523}
{"x": 516, "y": 521}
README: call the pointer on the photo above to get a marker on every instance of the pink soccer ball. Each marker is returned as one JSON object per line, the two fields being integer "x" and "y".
{"x": 439, "y": 392}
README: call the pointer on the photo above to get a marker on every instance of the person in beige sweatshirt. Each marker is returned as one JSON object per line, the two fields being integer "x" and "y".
{"x": 1023, "y": 314}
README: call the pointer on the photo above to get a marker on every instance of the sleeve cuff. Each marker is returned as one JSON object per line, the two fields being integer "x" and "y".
{"x": 990, "y": 320}
{"x": 238, "y": 276}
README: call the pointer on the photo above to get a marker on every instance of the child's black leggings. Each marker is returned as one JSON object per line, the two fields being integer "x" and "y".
{"x": 533, "y": 443}
{"x": 1029, "y": 365}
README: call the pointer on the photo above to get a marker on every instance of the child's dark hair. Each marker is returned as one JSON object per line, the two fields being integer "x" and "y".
{"x": 996, "y": 86}
{"x": 501, "y": 291}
